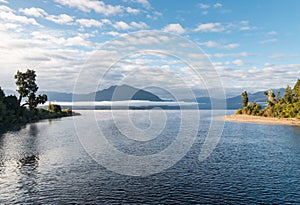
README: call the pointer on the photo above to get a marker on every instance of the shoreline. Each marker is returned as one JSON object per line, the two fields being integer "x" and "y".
{"x": 261, "y": 120}
{"x": 19, "y": 125}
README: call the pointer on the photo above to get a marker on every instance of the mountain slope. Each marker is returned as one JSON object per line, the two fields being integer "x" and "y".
{"x": 113, "y": 93}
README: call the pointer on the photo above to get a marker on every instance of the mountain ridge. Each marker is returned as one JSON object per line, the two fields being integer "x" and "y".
{"x": 126, "y": 92}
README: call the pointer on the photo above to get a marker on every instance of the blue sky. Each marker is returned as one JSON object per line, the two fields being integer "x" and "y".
{"x": 252, "y": 45}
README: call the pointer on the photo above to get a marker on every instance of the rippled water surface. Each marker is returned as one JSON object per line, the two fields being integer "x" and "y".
{"x": 45, "y": 163}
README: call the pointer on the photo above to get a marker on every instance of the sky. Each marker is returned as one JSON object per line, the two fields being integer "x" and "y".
{"x": 251, "y": 45}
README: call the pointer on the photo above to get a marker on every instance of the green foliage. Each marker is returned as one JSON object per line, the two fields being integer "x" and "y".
{"x": 286, "y": 107}
{"x": 27, "y": 87}
{"x": 2, "y": 95}
{"x": 296, "y": 91}
{"x": 244, "y": 99}
{"x": 12, "y": 114}
{"x": 67, "y": 110}
{"x": 271, "y": 97}
{"x": 252, "y": 109}
{"x": 54, "y": 108}
{"x": 288, "y": 95}
{"x": 239, "y": 112}
{"x": 278, "y": 97}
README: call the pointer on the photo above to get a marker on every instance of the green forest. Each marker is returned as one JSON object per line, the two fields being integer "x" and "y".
{"x": 24, "y": 109}
{"x": 287, "y": 106}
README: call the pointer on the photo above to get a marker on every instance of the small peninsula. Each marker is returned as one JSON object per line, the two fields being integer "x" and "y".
{"x": 279, "y": 110}
{"x": 15, "y": 112}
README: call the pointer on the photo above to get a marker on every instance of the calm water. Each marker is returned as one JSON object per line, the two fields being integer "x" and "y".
{"x": 46, "y": 163}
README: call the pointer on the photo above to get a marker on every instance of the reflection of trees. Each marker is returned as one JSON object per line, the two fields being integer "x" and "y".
{"x": 19, "y": 161}
{"x": 1, "y": 154}
{"x": 33, "y": 130}
{"x": 28, "y": 164}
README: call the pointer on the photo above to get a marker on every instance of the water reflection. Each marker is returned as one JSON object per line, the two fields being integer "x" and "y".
{"x": 45, "y": 164}
{"x": 28, "y": 164}
{"x": 19, "y": 160}
{"x": 2, "y": 166}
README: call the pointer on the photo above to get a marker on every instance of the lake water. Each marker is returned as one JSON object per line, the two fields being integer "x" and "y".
{"x": 46, "y": 162}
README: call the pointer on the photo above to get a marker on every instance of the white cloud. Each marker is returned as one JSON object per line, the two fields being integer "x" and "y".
{"x": 140, "y": 25}
{"x": 271, "y": 40}
{"x": 8, "y": 14}
{"x": 268, "y": 64}
{"x": 211, "y": 44}
{"x": 106, "y": 21}
{"x": 36, "y": 12}
{"x": 132, "y": 11}
{"x": 113, "y": 33}
{"x": 77, "y": 41}
{"x": 223, "y": 55}
{"x": 282, "y": 56}
{"x": 214, "y": 44}
{"x": 60, "y": 19}
{"x": 156, "y": 15}
{"x": 95, "y": 5}
{"x": 231, "y": 46}
{"x": 272, "y": 33}
{"x": 218, "y": 5}
{"x": 144, "y": 3}
{"x": 10, "y": 26}
{"x": 5, "y": 9}
{"x": 4, "y": 1}
{"x": 121, "y": 25}
{"x": 48, "y": 37}
{"x": 58, "y": 40}
{"x": 204, "y": 12}
{"x": 210, "y": 27}
{"x": 244, "y": 26}
{"x": 174, "y": 28}
{"x": 89, "y": 23}
{"x": 238, "y": 62}
{"x": 204, "y": 6}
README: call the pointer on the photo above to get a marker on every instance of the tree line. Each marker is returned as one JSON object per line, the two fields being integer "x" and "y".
{"x": 287, "y": 106}
{"x": 16, "y": 111}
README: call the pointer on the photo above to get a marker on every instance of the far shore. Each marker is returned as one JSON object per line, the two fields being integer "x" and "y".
{"x": 261, "y": 120}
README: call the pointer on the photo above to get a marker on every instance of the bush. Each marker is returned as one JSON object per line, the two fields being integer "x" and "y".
{"x": 239, "y": 112}
{"x": 54, "y": 108}
{"x": 67, "y": 110}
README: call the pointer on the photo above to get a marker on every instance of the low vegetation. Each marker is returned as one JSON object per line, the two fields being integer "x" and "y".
{"x": 287, "y": 106}
{"x": 14, "y": 112}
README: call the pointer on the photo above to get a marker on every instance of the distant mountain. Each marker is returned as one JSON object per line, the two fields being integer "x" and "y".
{"x": 258, "y": 97}
{"x": 57, "y": 96}
{"x": 236, "y": 102}
{"x": 113, "y": 93}
{"x": 126, "y": 92}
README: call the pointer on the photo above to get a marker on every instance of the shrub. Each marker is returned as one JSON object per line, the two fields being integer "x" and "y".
{"x": 239, "y": 112}
{"x": 67, "y": 110}
{"x": 54, "y": 108}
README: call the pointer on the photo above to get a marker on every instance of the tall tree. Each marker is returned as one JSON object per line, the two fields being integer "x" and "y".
{"x": 244, "y": 99}
{"x": 278, "y": 96}
{"x": 27, "y": 88}
{"x": 296, "y": 91}
{"x": 288, "y": 95}
{"x": 2, "y": 95}
{"x": 271, "y": 97}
